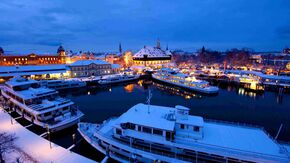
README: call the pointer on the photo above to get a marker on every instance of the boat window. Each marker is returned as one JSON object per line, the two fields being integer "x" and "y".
{"x": 47, "y": 114}
{"x": 196, "y": 128}
{"x": 35, "y": 85}
{"x": 118, "y": 131}
{"x": 182, "y": 126}
{"x": 157, "y": 132}
{"x": 139, "y": 128}
{"x": 147, "y": 129}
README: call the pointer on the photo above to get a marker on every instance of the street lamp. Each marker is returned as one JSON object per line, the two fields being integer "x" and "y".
{"x": 48, "y": 134}
{"x": 74, "y": 138}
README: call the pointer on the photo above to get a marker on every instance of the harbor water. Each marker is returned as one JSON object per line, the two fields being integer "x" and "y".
{"x": 232, "y": 104}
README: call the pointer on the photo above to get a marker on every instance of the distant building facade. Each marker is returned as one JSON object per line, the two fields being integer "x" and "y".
{"x": 286, "y": 51}
{"x": 85, "y": 68}
{"x": 32, "y": 59}
{"x": 152, "y": 56}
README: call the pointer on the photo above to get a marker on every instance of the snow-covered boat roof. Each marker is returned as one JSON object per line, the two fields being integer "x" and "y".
{"x": 20, "y": 81}
{"x": 260, "y": 74}
{"x": 152, "y": 52}
{"x": 88, "y": 62}
{"x": 220, "y": 138}
{"x": 6, "y": 71}
{"x": 157, "y": 117}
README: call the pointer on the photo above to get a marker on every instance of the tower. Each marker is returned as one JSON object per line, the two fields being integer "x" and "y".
{"x": 166, "y": 47}
{"x": 1, "y": 51}
{"x": 120, "y": 48}
{"x": 158, "y": 44}
{"x": 61, "y": 53}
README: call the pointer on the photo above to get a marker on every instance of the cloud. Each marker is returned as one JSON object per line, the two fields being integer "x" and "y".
{"x": 99, "y": 25}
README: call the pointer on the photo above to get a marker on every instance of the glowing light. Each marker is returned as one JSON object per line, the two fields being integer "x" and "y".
{"x": 110, "y": 89}
{"x": 89, "y": 93}
{"x": 129, "y": 88}
{"x": 187, "y": 97}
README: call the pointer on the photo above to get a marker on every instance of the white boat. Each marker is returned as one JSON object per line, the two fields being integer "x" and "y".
{"x": 40, "y": 105}
{"x": 182, "y": 80}
{"x": 150, "y": 133}
{"x": 117, "y": 78}
{"x": 61, "y": 84}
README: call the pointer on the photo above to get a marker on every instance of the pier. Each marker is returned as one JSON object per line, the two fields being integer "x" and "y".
{"x": 36, "y": 146}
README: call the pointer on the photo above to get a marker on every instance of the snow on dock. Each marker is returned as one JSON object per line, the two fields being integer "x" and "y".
{"x": 36, "y": 146}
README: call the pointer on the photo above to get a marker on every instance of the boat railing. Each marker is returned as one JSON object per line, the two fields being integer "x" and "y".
{"x": 245, "y": 125}
{"x": 229, "y": 151}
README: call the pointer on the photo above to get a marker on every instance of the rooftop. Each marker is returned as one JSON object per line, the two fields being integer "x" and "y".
{"x": 151, "y": 52}
{"x": 31, "y": 70}
{"x": 88, "y": 62}
{"x": 159, "y": 117}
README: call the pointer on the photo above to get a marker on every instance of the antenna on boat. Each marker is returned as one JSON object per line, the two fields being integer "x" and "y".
{"x": 149, "y": 100}
{"x": 279, "y": 131}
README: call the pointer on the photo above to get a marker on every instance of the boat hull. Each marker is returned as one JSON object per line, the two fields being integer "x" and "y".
{"x": 117, "y": 81}
{"x": 52, "y": 128}
{"x": 213, "y": 92}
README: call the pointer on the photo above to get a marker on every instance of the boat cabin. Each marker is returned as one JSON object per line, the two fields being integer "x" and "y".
{"x": 150, "y": 122}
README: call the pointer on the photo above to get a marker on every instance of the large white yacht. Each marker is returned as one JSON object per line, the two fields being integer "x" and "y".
{"x": 40, "y": 105}
{"x": 117, "y": 78}
{"x": 184, "y": 81}
{"x": 61, "y": 84}
{"x": 149, "y": 133}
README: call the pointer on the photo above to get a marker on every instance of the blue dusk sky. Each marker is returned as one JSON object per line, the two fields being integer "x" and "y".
{"x": 99, "y": 25}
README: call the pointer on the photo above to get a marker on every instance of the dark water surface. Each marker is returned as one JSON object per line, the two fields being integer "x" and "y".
{"x": 232, "y": 104}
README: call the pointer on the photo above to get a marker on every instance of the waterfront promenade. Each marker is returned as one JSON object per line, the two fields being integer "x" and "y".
{"x": 35, "y": 146}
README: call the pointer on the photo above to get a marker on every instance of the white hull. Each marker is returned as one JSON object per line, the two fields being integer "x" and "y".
{"x": 118, "y": 151}
{"x": 103, "y": 82}
{"x": 65, "y": 85}
{"x": 210, "y": 90}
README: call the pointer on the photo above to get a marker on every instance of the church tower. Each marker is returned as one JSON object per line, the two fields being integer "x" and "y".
{"x": 1, "y": 51}
{"x": 120, "y": 48}
{"x": 62, "y": 55}
{"x": 158, "y": 44}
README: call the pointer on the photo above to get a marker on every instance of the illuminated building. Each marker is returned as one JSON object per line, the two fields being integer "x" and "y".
{"x": 32, "y": 59}
{"x": 152, "y": 56}
{"x": 34, "y": 72}
{"x": 85, "y": 68}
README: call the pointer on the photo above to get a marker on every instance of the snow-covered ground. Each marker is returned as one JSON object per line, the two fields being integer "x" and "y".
{"x": 36, "y": 147}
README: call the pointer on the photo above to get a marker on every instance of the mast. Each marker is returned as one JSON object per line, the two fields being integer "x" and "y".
{"x": 149, "y": 100}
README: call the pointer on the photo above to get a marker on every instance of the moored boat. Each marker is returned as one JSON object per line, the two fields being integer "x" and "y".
{"x": 61, "y": 84}
{"x": 41, "y": 106}
{"x": 150, "y": 133}
{"x": 182, "y": 80}
{"x": 117, "y": 78}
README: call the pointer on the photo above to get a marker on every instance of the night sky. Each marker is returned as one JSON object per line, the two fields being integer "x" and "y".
{"x": 96, "y": 25}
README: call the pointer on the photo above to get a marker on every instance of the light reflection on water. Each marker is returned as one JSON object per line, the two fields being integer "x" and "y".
{"x": 231, "y": 104}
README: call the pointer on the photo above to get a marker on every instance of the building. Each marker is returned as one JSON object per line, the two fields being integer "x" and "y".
{"x": 152, "y": 56}
{"x": 85, "y": 68}
{"x": 32, "y": 59}
{"x": 34, "y": 72}
{"x": 286, "y": 51}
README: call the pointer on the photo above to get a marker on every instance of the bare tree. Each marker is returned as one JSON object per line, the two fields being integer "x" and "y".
{"x": 6, "y": 144}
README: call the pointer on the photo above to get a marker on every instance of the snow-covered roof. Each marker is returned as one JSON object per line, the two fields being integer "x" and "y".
{"x": 260, "y": 74}
{"x": 151, "y": 52}
{"x": 139, "y": 115}
{"x": 31, "y": 70}
{"x": 20, "y": 81}
{"x": 159, "y": 117}
{"x": 88, "y": 62}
